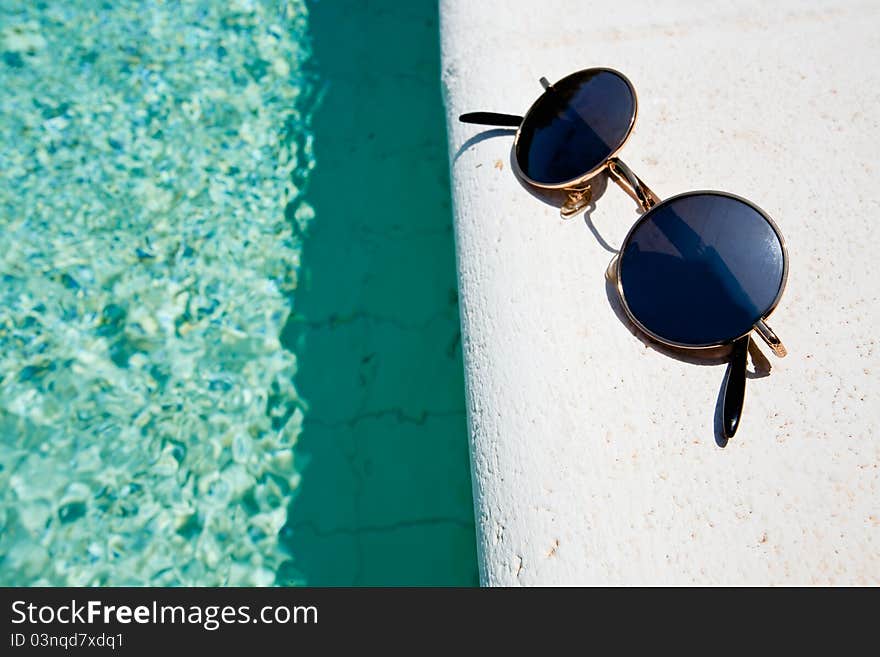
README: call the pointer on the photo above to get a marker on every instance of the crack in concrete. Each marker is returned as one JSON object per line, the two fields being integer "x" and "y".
{"x": 396, "y": 526}
{"x": 335, "y": 320}
{"x": 418, "y": 420}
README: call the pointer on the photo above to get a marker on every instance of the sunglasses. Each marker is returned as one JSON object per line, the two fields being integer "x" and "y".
{"x": 699, "y": 270}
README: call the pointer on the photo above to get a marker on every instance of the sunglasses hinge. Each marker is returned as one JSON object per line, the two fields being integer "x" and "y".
{"x": 772, "y": 340}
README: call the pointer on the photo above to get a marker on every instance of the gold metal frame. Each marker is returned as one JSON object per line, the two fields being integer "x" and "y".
{"x": 579, "y": 197}
{"x": 760, "y": 326}
{"x": 579, "y": 191}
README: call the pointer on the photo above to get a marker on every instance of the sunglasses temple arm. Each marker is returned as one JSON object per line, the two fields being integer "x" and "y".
{"x": 491, "y": 118}
{"x": 735, "y": 387}
{"x": 735, "y": 380}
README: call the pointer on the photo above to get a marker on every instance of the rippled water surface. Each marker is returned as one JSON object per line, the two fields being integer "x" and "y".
{"x": 154, "y": 320}
{"x": 150, "y": 212}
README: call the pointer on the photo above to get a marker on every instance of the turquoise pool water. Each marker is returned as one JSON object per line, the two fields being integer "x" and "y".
{"x": 385, "y": 496}
{"x": 165, "y": 278}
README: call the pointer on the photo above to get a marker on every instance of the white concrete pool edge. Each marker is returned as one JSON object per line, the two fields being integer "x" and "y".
{"x": 593, "y": 455}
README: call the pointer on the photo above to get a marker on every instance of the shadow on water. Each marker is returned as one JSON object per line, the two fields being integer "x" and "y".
{"x": 385, "y": 496}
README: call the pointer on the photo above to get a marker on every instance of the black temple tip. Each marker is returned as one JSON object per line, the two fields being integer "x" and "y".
{"x": 735, "y": 388}
{"x": 491, "y": 118}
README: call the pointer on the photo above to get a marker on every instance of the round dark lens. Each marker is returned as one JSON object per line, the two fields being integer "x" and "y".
{"x": 575, "y": 126}
{"x": 700, "y": 269}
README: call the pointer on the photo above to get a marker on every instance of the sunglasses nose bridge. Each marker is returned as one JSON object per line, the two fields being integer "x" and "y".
{"x": 632, "y": 184}
{"x": 581, "y": 196}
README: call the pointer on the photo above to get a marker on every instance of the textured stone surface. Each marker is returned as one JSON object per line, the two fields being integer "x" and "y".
{"x": 594, "y": 455}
